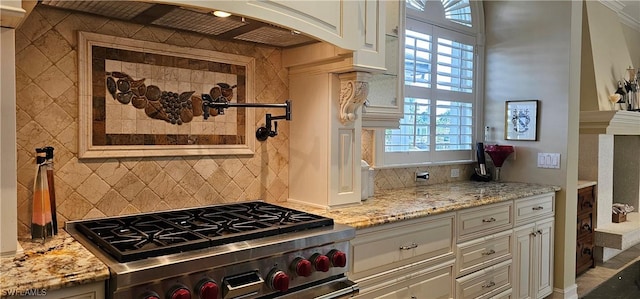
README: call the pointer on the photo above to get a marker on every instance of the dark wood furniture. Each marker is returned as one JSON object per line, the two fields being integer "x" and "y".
{"x": 585, "y": 232}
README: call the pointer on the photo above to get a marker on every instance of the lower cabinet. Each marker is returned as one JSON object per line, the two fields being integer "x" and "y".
{"x": 534, "y": 259}
{"x": 503, "y": 250}
{"x": 432, "y": 283}
{"x": 408, "y": 259}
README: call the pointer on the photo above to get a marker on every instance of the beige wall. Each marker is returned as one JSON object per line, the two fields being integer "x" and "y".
{"x": 632, "y": 36}
{"x": 611, "y": 55}
{"x": 533, "y": 52}
{"x": 47, "y": 114}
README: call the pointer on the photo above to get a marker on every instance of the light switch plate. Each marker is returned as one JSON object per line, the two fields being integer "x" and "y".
{"x": 455, "y": 172}
{"x": 549, "y": 160}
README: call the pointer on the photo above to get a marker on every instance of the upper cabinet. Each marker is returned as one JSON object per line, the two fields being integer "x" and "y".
{"x": 13, "y": 12}
{"x": 356, "y": 26}
{"x": 384, "y": 105}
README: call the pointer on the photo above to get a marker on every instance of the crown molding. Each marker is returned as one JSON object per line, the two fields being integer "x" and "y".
{"x": 631, "y": 19}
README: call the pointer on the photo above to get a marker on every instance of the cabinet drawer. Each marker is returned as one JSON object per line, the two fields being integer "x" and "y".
{"x": 479, "y": 253}
{"x": 485, "y": 283}
{"x": 586, "y": 199}
{"x": 532, "y": 209}
{"x": 585, "y": 225}
{"x": 584, "y": 254}
{"x": 504, "y": 295}
{"x": 483, "y": 221}
{"x": 424, "y": 240}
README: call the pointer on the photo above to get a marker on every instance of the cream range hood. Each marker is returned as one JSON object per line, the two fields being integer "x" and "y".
{"x": 193, "y": 19}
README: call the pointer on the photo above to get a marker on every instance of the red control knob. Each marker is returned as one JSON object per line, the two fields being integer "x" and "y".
{"x": 338, "y": 258}
{"x": 302, "y": 267}
{"x": 180, "y": 293}
{"x": 321, "y": 262}
{"x": 208, "y": 290}
{"x": 150, "y": 295}
{"x": 279, "y": 281}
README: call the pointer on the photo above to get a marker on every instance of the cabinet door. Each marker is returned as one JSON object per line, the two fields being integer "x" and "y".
{"x": 400, "y": 294}
{"x": 533, "y": 258}
{"x": 544, "y": 252}
{"x": 523, "y": 260}
{"x": 385, "y": 103}
{"x": 436, "y": 285}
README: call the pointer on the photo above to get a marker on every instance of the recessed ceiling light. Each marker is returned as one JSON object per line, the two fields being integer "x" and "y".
{"x": 221, "y": 14}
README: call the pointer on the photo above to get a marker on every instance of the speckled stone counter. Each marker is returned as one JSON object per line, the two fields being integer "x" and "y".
{"x": 401, "y": 204}
{"x": 58, "y": 263}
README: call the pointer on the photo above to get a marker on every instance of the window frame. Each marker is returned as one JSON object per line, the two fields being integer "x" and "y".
{"x": 451, "y": 31}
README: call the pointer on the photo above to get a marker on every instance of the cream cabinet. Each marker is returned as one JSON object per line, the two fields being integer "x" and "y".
{"x": 484, "y": 264}
{"x": 533, "y": 237}
{"x": 86, "y": 291}
{"x": 356, "y": 26}
{"x": 501, "y": 250}
{"x": 385, "y": 103}
{"x": 404, "y": 259}
{"x": 534, "y": 259}
{"x": 13, "y": 12}
{"x": 485, "y": 283}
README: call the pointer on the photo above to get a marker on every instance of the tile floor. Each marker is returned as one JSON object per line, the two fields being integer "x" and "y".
{"x": 603, "y": 271}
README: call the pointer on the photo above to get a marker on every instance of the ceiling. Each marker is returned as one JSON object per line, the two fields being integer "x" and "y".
{"x": 200, "y": 21}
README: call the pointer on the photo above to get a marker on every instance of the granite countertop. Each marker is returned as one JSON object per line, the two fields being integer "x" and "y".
{"x": 60, "y": 262}
{"x": 64, "y": 262}
{"x": 401, "y": 204}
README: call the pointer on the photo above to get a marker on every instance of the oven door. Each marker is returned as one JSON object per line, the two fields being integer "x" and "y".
{"x": 333, "y": 289}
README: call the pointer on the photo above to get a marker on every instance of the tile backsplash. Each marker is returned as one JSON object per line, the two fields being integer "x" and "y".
{"x": 401, "y": 177}
{"x": 47, "y": 114}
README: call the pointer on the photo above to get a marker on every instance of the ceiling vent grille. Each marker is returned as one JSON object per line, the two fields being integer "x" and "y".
{"x": 274, "y": 36}
{"x": 112, "y": 9}
{"x": 199, "y": 22}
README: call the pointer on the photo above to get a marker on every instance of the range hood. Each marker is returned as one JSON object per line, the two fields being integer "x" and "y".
{"x": 233, "y": 28}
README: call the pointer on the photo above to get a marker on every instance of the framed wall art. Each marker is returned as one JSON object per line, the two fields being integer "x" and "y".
{"x": 140, "y": 99}
{"x": 521, "y": 120}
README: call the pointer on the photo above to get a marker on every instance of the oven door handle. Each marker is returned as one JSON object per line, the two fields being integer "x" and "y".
{"x": 349, "y": 291}
{"x": 334, "y": 289}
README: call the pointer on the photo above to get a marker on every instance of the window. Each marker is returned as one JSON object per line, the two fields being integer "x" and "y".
{"x": 440, "y": 82}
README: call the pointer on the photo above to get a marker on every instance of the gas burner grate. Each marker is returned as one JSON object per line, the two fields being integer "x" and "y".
{"x": 136, "y": 237}
{"x": 141, "y": 236}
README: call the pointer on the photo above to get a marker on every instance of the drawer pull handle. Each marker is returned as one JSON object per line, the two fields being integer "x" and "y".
{"x": 538, "y": 232}
{"x": 489, "y": 220}
{"x": 412, "y": 246}
{"x": 490, "y": 284}
{"x": 538, "y": 208}
{"x": 490, "y": 252}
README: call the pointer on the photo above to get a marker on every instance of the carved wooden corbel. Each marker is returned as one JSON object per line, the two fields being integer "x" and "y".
{"x": 354, "y": 88}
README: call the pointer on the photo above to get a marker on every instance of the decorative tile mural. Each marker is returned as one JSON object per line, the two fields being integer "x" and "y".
{"x": 47, "y": 113}
{"x": 137, "y": 96}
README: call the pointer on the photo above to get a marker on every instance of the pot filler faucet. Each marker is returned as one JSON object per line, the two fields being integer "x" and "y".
{"x": 263, "y": 132}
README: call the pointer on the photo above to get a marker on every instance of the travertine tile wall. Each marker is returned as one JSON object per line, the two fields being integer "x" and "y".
{"x": 47, "y": 114}
{"x": 394, "y": 178}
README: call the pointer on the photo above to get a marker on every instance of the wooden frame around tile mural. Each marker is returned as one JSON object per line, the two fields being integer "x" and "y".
{"x": 140, "y": 98}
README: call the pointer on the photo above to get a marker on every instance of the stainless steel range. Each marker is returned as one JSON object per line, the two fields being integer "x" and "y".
{"x": 243, "y": 250}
